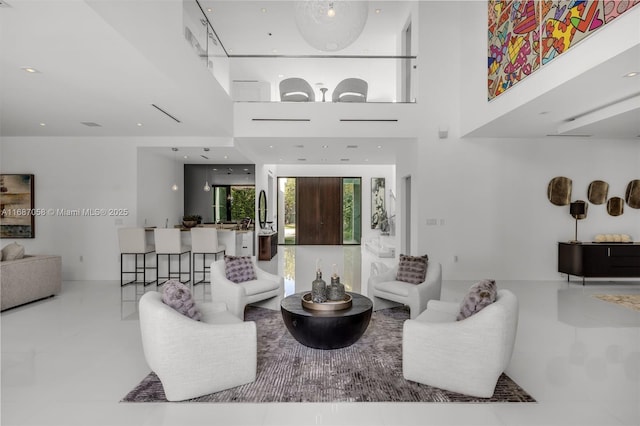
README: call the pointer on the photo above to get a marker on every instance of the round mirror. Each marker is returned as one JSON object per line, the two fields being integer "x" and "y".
{"x": 262, "y": 209}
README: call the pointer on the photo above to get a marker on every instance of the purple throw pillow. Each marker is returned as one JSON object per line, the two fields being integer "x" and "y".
{"x": 178, "y": 296}
{"x": 239, "y": 269}
{"x": 480, "y": 295}
{"x": 412, "y": 269}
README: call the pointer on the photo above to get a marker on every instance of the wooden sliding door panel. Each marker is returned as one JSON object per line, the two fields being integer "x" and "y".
{"x": 330, "y": 190}
{"x": 307, "y": 210}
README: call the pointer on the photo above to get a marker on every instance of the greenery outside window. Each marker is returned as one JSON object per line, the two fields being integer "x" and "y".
{"x": 233, "y": 203}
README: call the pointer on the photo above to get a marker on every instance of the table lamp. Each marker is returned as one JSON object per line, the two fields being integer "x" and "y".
{"x": 578, "y": 209}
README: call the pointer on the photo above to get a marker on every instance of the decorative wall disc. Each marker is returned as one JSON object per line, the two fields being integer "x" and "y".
{"x": 615, "y": 206}
{"x": 633, "y": 194}
{"x": 559, "y": 191}
{"x": 598, "y": 192}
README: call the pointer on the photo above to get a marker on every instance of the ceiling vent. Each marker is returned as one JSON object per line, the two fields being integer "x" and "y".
{"x": 90, "y": 124}
{"x": 204, "y": 156}
{"x": 165, "y": 113}
{"x": 352, "y": 146}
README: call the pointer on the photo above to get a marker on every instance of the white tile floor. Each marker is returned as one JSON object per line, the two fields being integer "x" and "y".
{"x": 70, "y": 359}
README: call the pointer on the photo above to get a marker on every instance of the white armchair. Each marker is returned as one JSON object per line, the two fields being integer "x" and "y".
{"x": 386, "y": 291}
{"x": 267, "y": 291}
{"x": 465, "y": 356}
{"x": 194, "y": 358}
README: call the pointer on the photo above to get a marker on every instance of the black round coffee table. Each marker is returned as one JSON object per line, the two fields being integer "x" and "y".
{"x": 326, "y": 329}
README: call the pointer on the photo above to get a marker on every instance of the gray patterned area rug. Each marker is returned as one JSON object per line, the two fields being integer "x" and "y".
{"x": 368, "y": 371}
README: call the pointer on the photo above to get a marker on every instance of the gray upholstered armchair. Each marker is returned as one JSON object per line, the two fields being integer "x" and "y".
{"x": 386, "y": 291}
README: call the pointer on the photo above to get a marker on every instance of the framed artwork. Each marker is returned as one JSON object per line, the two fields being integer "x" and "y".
{"x": 16, "y": 206}
{"x": 378, "y": 212}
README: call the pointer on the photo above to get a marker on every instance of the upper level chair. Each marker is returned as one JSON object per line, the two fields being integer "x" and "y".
{"x": 351, "y": 90}
{"x": 296, "y": 90}
{"x": 133, "y": 242}
{"x": 386, "y": 291}
{"x": 204, "y": 241}
{"x": 265, "y": 291}
{"x": 466, "y": 356}
{"x": 168, "y": 243}
{"x": 194, "y": 358}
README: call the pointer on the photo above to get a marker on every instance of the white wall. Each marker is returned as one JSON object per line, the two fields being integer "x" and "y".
{"x": 95, "y": 173}
{"x": 157, "y": 204}
{"x": 489, "y": 196}
{"x": 77, "y": 173}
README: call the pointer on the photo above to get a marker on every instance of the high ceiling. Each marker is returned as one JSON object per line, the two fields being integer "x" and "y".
{"x": 107, "y": 62}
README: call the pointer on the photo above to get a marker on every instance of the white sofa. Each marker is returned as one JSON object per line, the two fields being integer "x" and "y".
{"x": 267, "y": 291}
{"x": 194, "y": 358}
{"x": 387, "y": 292}
{"x": 465, "y": 356}
{"x": 29, "y": 279}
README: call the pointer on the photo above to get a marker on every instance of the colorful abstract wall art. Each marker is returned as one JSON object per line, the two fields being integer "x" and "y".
{"x": 524, "y": 35}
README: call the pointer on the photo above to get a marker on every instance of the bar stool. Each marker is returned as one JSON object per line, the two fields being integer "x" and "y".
{"x": 133, "y": 243}
{"x": 204, "y": 241}
{"x": 168, "y": 244}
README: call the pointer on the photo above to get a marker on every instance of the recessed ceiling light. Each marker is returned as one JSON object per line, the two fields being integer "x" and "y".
{"x": 279, "y": 159}
{"x": 271, "y": 146}
{"x": 246, "y": 170}
{"x": 43, "y": 124}
{"x": 209, "y": 10}
{"x": 631, "y": 74}
{"x": 225, "y": 157}
{"x": 379, "y": 146}
{"x": 275, "y": 50}
{"x": 263, "y": 10}
{"x": 139, "y": 124}
{"x": 29, "y": 70}
{"x": 325, "y": 146}
{"x": 215, "y": 170}
{"x": 280, "y": 75}
{"x": 378, "y": 10}
{"x": 185, "y": 157}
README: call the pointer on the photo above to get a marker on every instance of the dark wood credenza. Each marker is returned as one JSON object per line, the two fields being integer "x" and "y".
{"x": 267, "y": 246}
{"x": 599, "y": 260}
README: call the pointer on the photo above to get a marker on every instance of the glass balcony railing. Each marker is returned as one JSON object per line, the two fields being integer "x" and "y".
{"x": 258, "y": 78}
{"x": 199, "y": 33}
